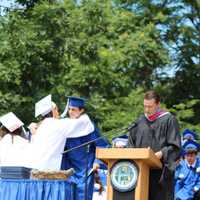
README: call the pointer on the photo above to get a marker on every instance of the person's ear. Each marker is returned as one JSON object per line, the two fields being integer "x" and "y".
{"x": 158, "y": 104}
{"x": 55, "y": 112}
{"x": 82, "y": 110}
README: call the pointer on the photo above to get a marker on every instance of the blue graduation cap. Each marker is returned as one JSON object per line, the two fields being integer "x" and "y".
{"x": 191, "y": 146}
{"x": 76, "y": 102}
{"x": 72, "y": 101}
{"x": 188, "y": 134}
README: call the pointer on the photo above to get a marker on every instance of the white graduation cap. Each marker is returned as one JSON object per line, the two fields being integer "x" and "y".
{"x": 11, "y": 121}
{"x": 44, "y": 106}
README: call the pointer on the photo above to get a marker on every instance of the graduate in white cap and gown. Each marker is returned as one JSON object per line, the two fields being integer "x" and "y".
{"x": 12, "y": 144}
{"x": 47, "y": 144}
{"x": 187, "y": 174}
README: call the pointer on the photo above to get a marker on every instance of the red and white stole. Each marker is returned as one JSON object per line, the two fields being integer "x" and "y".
{"x": 156, "y": 115}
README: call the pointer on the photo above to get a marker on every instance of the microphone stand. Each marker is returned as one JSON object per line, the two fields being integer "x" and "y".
{"x": 83, "y": 145}
{"x": 101, "y": 137}
{"x": 86, "y": 172}
{"x": 87, "y": 148}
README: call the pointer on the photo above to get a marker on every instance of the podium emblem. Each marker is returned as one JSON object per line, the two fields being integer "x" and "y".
{"x": 124, "y": 175}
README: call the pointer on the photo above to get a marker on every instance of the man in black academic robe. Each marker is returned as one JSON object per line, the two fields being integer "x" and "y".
{"x": 158, "y": 130}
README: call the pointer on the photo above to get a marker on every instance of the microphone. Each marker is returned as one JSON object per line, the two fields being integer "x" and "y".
{"x": 134, "y": 124}
{"x": 127, "y": 128}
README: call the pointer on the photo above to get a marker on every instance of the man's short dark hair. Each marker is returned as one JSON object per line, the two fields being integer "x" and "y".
{"x": 191, "y": 151}
{"x": 151, "y": 94}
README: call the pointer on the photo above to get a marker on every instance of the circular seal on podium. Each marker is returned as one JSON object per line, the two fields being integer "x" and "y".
{"x": 124, "y": 175}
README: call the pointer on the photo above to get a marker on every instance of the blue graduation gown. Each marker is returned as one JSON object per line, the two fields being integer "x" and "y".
{"x": 77, "y": 159}
{"x": 186, "y": 179}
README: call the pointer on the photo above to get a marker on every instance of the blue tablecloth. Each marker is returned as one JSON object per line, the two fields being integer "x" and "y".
{"x": 25, "y": 189}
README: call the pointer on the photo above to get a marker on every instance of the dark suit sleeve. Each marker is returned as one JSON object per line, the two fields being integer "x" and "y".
{"x": 171, "y": 151}
{"x": 131, "y": 138}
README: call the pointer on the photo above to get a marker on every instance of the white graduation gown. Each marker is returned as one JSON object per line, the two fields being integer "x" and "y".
{"x": 45, "y": 150}
{"x": 11, "y": 153}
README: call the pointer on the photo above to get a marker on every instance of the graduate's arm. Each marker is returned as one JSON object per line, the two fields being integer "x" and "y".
{"x": 172, "y": 149}
{"x": 177, "y": 171}
{"x": 79, "y": 127}
{"x": 197, "y": 183}
{"x": 33, "y": 127}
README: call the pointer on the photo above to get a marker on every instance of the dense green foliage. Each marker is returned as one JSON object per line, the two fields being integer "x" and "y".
{"x": 108, "y": 51}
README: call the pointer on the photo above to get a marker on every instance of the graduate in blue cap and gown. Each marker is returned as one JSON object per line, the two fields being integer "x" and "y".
{"x": 77, "y": 158}
{"x": 188, "y": 135}
{"x": 187, "y": 174}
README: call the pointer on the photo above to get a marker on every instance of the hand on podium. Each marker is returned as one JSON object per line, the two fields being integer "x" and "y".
{"x": 159, "y": 154}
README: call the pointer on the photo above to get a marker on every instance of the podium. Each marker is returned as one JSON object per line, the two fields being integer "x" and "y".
{"x": 145, "y": 160}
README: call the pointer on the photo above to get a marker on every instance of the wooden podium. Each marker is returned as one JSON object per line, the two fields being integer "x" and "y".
{"x": 143, "y": 157}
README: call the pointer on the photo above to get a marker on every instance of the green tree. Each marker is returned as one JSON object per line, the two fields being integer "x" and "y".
{"x": 179, "y": 23}
{"x": 182, "y": 36}
{"x": 95, "y": 49}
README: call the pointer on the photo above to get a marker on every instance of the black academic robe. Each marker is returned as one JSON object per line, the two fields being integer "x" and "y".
{"x": 160, "y": 135}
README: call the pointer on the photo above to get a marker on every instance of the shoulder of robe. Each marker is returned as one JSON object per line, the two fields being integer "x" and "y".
{"x": 170, "y": 115}
{"x": 137, "y": 122}
{"x": 140, "y": 119}
{"x": 6, "y": 137}
{"x": 85, "y": 117}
